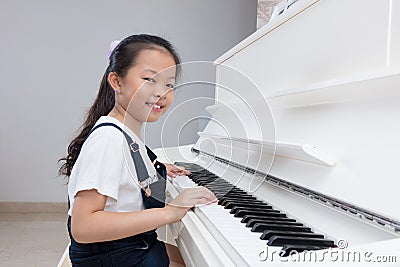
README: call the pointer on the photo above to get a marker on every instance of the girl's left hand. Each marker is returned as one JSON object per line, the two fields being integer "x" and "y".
{"x": 173, "y": 171}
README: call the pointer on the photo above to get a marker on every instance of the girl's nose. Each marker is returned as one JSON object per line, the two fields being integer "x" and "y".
{"x": 159, "y": 91}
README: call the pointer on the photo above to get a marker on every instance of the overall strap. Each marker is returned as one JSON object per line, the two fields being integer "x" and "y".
{"x": 140, "y": 166}
{"x": 105, "y": 124}
{"x": 154, "y": 194}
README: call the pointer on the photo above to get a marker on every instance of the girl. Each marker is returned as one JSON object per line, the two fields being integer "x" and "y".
{"x": 113, "y": 213}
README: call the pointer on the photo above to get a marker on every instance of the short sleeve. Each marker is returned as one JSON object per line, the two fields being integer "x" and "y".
{"x": 100, "y": 163}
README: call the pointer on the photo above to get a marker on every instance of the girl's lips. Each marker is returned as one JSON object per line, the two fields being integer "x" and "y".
{"x": 155, "y": 107}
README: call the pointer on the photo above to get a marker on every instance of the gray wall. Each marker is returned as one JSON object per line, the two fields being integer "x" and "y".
{"x": 53, "y": 54}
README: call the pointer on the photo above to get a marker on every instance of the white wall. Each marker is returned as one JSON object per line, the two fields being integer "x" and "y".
{"x": 53, "y": 54}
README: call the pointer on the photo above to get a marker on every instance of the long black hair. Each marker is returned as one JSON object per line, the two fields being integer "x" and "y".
{"x": 122, "y": 58}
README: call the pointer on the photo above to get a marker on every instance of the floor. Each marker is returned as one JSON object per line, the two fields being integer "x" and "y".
{"x": 32, "y": 239}
{"x": 39, "y": 239}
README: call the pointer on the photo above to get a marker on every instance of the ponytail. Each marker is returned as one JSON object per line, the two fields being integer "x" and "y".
{"x": 103, "y": 104}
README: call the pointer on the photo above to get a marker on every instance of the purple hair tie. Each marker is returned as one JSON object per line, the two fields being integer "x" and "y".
{"x": 112, "y": 47}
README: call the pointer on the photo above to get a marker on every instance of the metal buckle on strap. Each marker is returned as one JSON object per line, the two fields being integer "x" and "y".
{"x": 149, "y": 180}
{"x": 134, "y": 146}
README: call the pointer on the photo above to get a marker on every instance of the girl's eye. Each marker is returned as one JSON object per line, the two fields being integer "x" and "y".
{"x": 149, "y": 80}
{"x": 171, "y": 86}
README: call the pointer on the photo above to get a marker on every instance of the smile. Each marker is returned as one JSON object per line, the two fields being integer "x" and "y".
{"x": 155, "y": 107}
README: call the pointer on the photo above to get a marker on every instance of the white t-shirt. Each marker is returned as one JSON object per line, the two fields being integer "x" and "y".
{"x": 105, "y": 164}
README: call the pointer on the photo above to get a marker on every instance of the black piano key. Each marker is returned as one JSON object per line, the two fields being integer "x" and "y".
{"x": 214, "y": 185}
{"x": 258, "y": 219}
{"x": 215, "y": 179}
{"x": 195, "y": 179}
{"x": 259, "y": 205}
{"x": 242, "y": 213}
{"x": 193, "y": 171}
{"x": 276, "y": 227}
{"x": 203, "y": 183}
{"x": 228, "y": 191}
{"x": 285, "y": 240}
{"x": 246, "y": 218}
{"x": 235, "y": 209}
{"x": 221, "y": 186}
{"x": 268, "y": 234}
{"x": 241, "y": 197}
{"x": 211, "y": 181}
{"x": 207, "y": 176}
{"x": 229, "y": 194}
{"x": 212, "y": 178}
{"x": 222, "y": 201}
{"x": 225, "y": 187}
{"x": 261, "y": 227}
{"x": 238, "y": 202}
{"x": 252, "y": 222}
{"x": 220, "y": 195}
{"x": 217, "y": 184}
{"x": 200, "y": 174}
{"x": 287, "y": 249}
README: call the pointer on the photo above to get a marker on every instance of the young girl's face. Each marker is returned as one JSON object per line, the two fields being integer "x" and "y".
{"x": 146, "y": 92}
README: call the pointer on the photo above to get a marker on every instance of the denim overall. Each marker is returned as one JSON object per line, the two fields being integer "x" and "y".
{"x": 139, "y": 250}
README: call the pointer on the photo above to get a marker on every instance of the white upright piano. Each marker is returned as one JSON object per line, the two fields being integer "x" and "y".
{"x": 306, "y": 122}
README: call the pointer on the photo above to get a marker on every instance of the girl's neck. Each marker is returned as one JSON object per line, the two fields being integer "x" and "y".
{"x": 120, "y": 114}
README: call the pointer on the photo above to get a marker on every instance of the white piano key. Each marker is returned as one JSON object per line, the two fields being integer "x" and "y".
{"x": 235, "y": 234}
{"x": 182, "y": 182}
{"x": 245, "y": 247}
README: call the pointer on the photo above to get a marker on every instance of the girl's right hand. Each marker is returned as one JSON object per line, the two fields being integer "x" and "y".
{"x": 187, "y": 199}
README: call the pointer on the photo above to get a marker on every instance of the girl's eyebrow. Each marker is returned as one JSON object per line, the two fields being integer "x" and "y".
{"x": 155, "y": 72}
{"x": 152, "y": 71}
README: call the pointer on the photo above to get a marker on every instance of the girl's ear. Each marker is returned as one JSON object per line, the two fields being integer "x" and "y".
{"x": 114, "y": 81}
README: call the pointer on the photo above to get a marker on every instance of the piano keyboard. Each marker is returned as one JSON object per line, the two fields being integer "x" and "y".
{"x": 249, "y": 224}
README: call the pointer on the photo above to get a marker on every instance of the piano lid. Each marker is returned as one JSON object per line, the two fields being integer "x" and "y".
{"x": 325, "y": 75}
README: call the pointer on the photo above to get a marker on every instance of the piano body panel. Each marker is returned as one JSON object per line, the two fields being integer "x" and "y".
{"x": 339, "y": 36}
{"x": 357, "y": 133}
{"x": 395, "y": 35}
{"x": 326, "y": 76}
{"x": 364, "y": 139}
{"x": 241, "y": 111}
